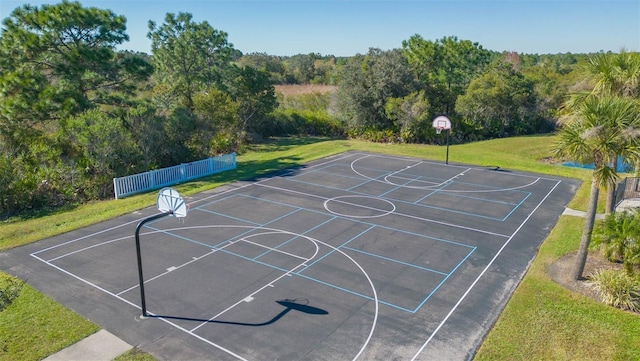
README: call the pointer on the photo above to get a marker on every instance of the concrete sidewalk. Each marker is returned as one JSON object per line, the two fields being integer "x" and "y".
{"x": 101, "y": 346}
{"x": 576, "y": 213}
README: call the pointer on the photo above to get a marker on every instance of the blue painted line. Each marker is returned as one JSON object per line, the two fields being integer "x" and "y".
{"x": 396, "y": 188}
{"x": 403, "y": 201}
{"x": 486, "y": 186}
{"x": 228, "y": 216}
{"x": 333, "y": 250}
{"x": 443, "y": 281}
{"x": 461, "y": 212}
{"x": 488, "y": 200}
{"x": 359, "y": 185}
{"x": 433, "y": 192}
{"x": 424, "y": 236}
{"x": 394, "y": 260}
{"x": 181, "y": 237}
{"x": 292, "y": 238}
{"x": 344, "y": 245}
{"x": 517, "y": 206}
{"x": 218, "y": 200}
{"x": 353, "y": 292}
{"x": 263, "y": 225}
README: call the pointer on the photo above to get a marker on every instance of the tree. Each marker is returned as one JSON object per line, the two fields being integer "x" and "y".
{"x": 613, "y": 74}
{"x": 255, "y": 94}
{"x": 216, "y": 123}
{"x": 595, "y": 129}
{"x": 445, "y": 67}
{"x": 104, "y": 149}
{"x": 270, "y": 63}
{"x": 189, "y": 57}
{"x": 502, "y": 102}
{"x": 411, "y": 115}
{"x": 57, "y": 62}
{"x": 65, "y": 55}
{"x": 60, "y": 60}
{"x": 367, "y": 82}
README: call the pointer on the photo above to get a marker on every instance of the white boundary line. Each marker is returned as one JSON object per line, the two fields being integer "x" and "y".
{"x": 399, "y": 214}
{"x": 310, "y": 195}
{"x": 455, "y": 307}
{"x": 435, "y": 186}
{"x": 190, "y": 332}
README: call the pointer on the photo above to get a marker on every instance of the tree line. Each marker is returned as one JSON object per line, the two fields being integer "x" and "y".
{"x": 75, "y": 112}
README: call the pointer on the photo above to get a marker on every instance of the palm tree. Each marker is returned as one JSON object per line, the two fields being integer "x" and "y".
{"x": 614, "y": 74}
{"x": 595, "y": 130}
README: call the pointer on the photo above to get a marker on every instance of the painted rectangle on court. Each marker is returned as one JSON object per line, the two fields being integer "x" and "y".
{"x": 414, "y": 250}
{"x": 477, "y": 204}
{"x": 249, "y": 209}
{"x": 329, "y": 180}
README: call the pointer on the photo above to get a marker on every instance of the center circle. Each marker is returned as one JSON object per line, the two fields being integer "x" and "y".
{"x": 359, "y": 206}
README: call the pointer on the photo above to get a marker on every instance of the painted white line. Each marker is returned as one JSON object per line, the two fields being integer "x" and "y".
{"x": 383, "y": 212}
{"x": 455, "y": 307}
{"x": 396, "y": 213}
{"x": 87, "y": 236}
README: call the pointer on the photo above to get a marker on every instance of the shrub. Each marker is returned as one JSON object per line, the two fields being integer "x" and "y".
{"x": 9, "y": 292}
{"x": 619, "y": 239}
{"x": 617, "y": 289}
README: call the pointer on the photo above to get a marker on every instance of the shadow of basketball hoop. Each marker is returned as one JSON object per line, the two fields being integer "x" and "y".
{"x": 290, "y": 305}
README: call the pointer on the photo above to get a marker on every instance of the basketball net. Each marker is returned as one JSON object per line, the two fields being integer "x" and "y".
{"x": 439, "y": 130}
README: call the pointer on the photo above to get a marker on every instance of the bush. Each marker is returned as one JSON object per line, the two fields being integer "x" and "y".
{"x": 617, "y": 289}
{"x": 9, "y": 292}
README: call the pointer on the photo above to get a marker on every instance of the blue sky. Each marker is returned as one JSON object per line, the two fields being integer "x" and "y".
{"x": 348, "y": 27}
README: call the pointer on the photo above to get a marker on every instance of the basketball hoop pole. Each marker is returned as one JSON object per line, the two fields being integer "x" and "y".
{"x": 149, "y": 219}
{"x": 446, "y": 161}
{"x": 441, "y": 123}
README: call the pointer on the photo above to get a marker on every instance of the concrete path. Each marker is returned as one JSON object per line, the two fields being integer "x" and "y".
{"x": 101, "y": 346}
{"x": 576, "y": 213}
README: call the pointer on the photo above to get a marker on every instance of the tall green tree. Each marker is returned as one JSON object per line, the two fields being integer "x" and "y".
{"x": 255, "y": 95}
{"x": 189, "y": 57}
{"x": 613, "y": 74}
{"x": 595, "y": 129}
{"x": 411, "y": 115}
{"x": 501, "y": 102}
{"x": 59, "y": 60}
{"x": 445, "y": 67}
{"x": 367, "y": 82}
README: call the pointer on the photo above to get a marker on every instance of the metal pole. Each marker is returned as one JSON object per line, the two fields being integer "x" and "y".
{"x": 154, "y": 217}
{"x": 447, "y": 158}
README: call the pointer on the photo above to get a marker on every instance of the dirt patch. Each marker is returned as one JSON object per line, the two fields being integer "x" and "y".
{"x": 560, "y": 272}
{"x": 300, "y": 89}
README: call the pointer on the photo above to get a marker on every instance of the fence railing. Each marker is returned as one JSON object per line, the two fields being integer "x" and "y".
{"x": 155, "y": 179}
{"x": 628, "y": 188}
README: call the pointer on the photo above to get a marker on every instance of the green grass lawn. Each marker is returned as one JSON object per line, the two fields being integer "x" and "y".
{"x": 542, "y": 321}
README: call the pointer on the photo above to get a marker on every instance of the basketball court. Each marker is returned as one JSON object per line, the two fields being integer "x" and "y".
{"x": 359, "y": 256}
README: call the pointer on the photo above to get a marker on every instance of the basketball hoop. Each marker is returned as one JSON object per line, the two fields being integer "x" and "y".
{"x": 169, "y": 203}
{"x": 441, "y": 123}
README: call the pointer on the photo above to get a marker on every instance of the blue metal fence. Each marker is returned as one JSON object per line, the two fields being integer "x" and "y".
{"x": 155, "y": 179}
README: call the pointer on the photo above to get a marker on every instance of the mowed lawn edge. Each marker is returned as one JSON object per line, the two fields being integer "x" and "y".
{"x": 531, "y": 154}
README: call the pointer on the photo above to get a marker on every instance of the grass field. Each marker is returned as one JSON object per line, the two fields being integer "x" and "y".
{"x": 542, "y": 321}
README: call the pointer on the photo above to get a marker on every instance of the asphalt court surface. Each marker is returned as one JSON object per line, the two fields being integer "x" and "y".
{"x": 359, "y": 256}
